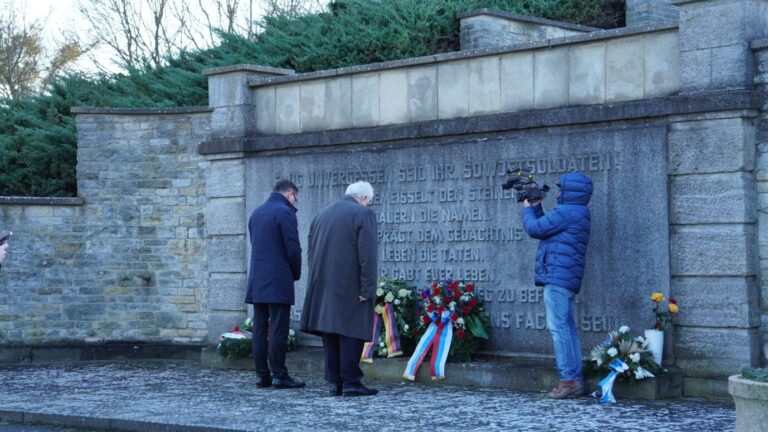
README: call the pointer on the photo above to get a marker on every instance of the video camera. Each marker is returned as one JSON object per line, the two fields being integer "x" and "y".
{"x": 525, "y": 187}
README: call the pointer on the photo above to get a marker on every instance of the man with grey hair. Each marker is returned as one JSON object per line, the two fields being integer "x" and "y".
{"x": 341, "y": 287}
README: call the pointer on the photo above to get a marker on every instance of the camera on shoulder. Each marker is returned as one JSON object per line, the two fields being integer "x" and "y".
{"x": 525, "y": 186}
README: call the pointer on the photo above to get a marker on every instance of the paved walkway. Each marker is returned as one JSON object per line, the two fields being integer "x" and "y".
{"x": 183, "y": 396}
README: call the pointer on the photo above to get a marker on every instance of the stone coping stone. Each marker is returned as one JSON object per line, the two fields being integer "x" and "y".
{"x": 140, "y": 111}
{"x": 248, "y": 68}
{"x": 553, "y": 117}
{"x": 81, "y": 351}
{"x": 526, "y": 18}
{"x": 521, "y": 374}
{"x": 97, "y": 423}
{"x": 468, "y": 54}
{"x": 48, "y": 201}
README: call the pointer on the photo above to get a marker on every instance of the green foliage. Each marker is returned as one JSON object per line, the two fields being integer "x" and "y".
{"x": 755, "y": 374}
{"x": 38, "y": 141}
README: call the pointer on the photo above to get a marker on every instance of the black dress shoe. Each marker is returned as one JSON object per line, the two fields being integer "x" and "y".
{"x": 360, "y": 391}
{"x": 334, "y": 390}
{"x": 286, "y": 383}
{"x": 264, "y": 382}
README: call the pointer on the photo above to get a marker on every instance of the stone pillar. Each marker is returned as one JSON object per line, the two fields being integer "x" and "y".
{"x": 713, "y": 197}
{"x": 488, "y": 28}
{"x": 649, "y": 12}
{"x": 714, "y": 42}
{"x": 232, "y": 99}
{"x": 233, "y": 116}
{"x": 760, "y": 48}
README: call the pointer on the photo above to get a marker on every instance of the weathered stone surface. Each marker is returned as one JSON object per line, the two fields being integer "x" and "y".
{"x": 288, "y": 109}
{"x": 723, "y": 145}
{"x": 550, "y": 85}
{"x": 225, "y": 179}
{"x": 228, "y": 89}
{"x": 226, "y": 254}
{"x": 312, "y": 106}
{"x": 226, "y": 292}
{"x": 725, "y": 250}
{"x": 394, "y": 101}
{"x": 662, "y": 64}
{"x": 365, "y": 100}
{"x": 232, "y": 121}
{"x": 484, "y": 86}
{"x": 442, "y": 202}
{"x": 225, "y": 216}
{"x": 422, "y": 93}
{"x": 751, "y": 399}
{"x": 645, "y": 12}
{"x": 717, "y": 301}
{"x": 713, "y": 198}
{"x": 517, "y": 82}
{"x": 338, "y": 103}
{"x": 587, "y": 74}
{"x": 452, "y": 89}
{"x": 265, "y": 105}
{"x": 624, "y": 69}
{"x": 714, "y": 352}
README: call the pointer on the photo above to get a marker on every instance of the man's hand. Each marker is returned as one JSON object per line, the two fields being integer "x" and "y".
{"x": 361, "y": 299}
{"x": 528, "y": 204}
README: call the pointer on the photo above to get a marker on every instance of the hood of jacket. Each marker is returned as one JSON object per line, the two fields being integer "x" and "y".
{"x": 575, "y": 188}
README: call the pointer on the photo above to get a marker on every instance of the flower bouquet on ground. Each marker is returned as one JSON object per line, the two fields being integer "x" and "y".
{"x": 394, "y": 321}
{"x": 453, "y": 320}
{"x": 632, "y": 351}
{"x": 239, "y": 343}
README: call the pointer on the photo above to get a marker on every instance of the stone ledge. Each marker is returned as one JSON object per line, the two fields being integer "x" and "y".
{"x": 248, "y": 68}
{"x": 44, "y": 201}
{"x": 97, "y": 423}
{"x": 563, "y": 116}
{"x": 529, "y": 375}
{"x": 468, "y": 54}
{"x": 79, "y": 351}
{"x": 140, "y": 111}
{"x": 526, "y": 18}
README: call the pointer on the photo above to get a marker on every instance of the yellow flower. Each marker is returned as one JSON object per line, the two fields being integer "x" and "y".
{"x": 657, "y": 297}
{"x": 673, "y": 308}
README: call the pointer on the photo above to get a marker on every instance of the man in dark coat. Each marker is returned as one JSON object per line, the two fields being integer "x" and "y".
{"x": 341, "y": 287}
{"x": 564, "y": 235}
{"x": 275, "y": 265}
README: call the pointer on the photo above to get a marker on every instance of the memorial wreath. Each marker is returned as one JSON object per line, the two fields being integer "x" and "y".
{"x": 394, "y": 321}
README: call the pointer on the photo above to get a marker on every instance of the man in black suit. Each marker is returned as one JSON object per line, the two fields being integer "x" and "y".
{"x": 275, "y": 265}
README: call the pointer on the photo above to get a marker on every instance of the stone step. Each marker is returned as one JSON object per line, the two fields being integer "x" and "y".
{"x": 527, "y": 375}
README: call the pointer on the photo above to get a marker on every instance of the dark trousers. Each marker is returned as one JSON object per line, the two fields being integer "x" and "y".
{"x": 342, "y": 360}
{"x": 270, "y": 319}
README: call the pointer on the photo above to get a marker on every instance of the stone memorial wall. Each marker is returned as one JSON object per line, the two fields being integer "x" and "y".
{"x": 442, "y": 214}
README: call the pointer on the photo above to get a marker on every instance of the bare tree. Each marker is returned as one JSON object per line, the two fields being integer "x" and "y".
{"x": 25, "y": 64}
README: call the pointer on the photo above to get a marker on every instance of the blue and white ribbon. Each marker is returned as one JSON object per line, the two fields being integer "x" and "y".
{"x": 605, "y": 394}
{"x": 437, "y": 338}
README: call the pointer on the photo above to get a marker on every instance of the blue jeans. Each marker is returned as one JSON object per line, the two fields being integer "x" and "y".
{"x": 559, "y": 303}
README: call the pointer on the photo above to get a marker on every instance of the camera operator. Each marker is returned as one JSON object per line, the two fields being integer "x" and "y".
{"x": 4, "y": 237}
{"x": 563, "y": 235}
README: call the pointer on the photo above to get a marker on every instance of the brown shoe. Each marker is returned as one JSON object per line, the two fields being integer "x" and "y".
{"x": 566, "y": 389}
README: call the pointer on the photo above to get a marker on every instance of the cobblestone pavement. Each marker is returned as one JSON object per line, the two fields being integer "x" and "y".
{"x": 185, "y": 394}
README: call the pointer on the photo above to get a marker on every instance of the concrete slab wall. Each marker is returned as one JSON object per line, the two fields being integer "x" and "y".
{"x": 573, "y": 71}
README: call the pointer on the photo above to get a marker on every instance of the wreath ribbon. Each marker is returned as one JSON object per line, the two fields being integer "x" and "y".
{"x": 388, "y": 321}
{"x": 437, "y": 338}
{"x": 605, "y": 394}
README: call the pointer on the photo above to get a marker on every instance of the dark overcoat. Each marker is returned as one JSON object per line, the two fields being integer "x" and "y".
{"x": 564, "y": 233}
{"x": 275, "y": 252}
{"x": 343, "y": 255}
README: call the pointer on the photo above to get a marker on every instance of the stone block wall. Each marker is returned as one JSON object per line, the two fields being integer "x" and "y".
{"x": 646, "y": 12}
{"x": 593, "y": 69}
{"x": 487, "y": 28}
{"x": 128, "y": 262}
{"x": 760, "y": 48}
{"x": 43, "y": 271}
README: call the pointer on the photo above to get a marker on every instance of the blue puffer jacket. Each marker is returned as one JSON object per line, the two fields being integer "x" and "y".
{"x": 564, "y": 233}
